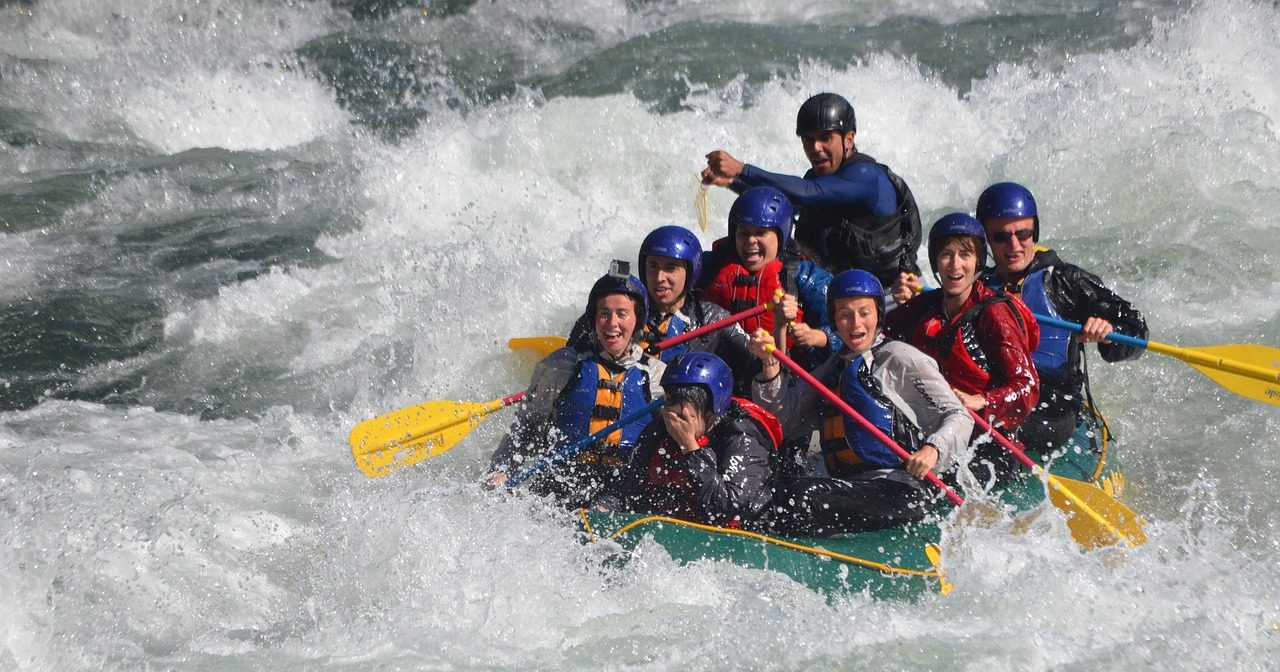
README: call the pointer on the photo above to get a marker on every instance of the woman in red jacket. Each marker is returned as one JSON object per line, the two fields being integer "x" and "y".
{"x": 981, "y": 340}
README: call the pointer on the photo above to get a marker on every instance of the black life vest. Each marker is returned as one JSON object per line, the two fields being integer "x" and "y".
{"x": 846, "y": 236}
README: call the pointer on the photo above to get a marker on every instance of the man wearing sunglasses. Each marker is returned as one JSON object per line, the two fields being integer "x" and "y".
{"x": 1052, "y": 287}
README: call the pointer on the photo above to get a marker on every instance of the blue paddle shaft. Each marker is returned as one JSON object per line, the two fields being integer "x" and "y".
{"x": 1113, "y": 336}
{"x": 569, "y": 451}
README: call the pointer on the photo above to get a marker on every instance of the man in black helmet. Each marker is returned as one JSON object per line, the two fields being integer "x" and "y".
{"x": 854, "y": 212}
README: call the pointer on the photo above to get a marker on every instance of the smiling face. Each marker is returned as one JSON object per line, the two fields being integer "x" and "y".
{"x": 826, "y": 150}
{"x": 615, "y": 322}
{"x": 957, "y": 265}
{"x": 1012, "y": 243}
{"x": 757, "y": 246}
{"x": 856, "y": 321}
{"x": 665, "y": 277}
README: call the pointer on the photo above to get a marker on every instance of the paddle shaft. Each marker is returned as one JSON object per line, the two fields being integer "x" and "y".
{"x": 576, "y": 447}
{"x": 1187, "y": 355}
{"x": 866, "y": 424}
{"x": 718, "y": 324}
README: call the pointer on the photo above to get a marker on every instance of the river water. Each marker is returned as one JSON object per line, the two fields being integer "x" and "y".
{"x": 232, "y": 229}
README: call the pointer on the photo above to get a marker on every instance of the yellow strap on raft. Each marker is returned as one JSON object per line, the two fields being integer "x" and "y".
{"x": 935, "y": 573}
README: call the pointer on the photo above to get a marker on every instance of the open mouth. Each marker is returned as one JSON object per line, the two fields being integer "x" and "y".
{"x": 612, "y": 338}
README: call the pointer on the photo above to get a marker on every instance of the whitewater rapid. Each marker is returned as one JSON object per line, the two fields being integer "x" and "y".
{"x": 231, "y": 230}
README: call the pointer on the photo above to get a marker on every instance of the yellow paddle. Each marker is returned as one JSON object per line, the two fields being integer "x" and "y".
{"x": 1251, "y": 371}
{"x": 410, "y": 435}
{"x": 1095, "y": 518}
{"x": 542, "y": 345}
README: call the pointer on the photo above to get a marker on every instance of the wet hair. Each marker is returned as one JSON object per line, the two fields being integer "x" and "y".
{"x": 696, "y": 395}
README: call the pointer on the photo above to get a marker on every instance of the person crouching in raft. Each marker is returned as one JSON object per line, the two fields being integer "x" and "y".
{"x": 578, "y": 391}
{"x": 747, "y": 268}
{"x": 671, "y": 261}
{"x": 981, "y": 340}
{"x": 708, "y": 461}
{"x": 893, "y": 385}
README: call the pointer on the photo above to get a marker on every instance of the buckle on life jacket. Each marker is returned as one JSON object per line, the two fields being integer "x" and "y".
{"x": 747, "y": 280}
{"x": 606, "y": 413}
{"x": 613, "y": 385}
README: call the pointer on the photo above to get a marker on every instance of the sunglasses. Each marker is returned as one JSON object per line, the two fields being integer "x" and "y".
{"x": 1003, "y": 237}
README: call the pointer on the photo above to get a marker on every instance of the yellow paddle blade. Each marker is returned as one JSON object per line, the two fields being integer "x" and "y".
{"x": 411, "y": 435}
{"x": 934, "y": 553}
{"x": 543, "y": 345}
{"x": 1248, "y": 370}
{"x": 1094, "y": 517}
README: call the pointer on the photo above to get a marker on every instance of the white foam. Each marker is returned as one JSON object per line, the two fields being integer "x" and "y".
{"x": 261, "y": 109}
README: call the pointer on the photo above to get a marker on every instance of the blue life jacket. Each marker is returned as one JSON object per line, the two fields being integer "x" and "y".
{"x": 1051, "y": 357}
{"x": 594, "y": 399}
{"x": 675, "y": 325}
{"x": 859, "y": 390}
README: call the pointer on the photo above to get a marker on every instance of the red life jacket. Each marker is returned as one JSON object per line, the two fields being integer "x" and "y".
{"x": 665, "y": 472}
{"x": 736, "y": 289}
{"x": 957, "y": 350}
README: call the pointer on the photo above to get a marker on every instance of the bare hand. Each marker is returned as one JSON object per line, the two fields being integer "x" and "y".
{"x": 759, "y": 344}
{"x": 495, "y": 480}
{"x": 906, "y": 286}
{"x": 922, "y": 460}
{"x": 806, "y": 336}
{"x": 685, "y": 425}
{"x": 1095, "y": 329}
{"x": 721, "y": 169}
{"x": 973, "y": 402}
{"x": 788, "y": 308}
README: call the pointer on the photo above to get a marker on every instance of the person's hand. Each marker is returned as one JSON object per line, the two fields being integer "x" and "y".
{"x": 906, "y": 286}
{"x": 1095, "y": 329}
{"x": 973, "y": 402}
{"x": 685, "y": 425}
{"x": 494, "y": 480}
{"x": 806, "y": 336}
{"x": 922, "y": 460}
{"x": 721, "y": 168}
{"x": 759, "y": 344}
{"x": 787, "y": 308}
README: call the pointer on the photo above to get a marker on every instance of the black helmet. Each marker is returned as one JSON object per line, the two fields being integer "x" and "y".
{"x": 825, "y": 112}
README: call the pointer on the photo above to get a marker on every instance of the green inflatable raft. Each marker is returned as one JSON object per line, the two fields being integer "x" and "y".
{"x": 895, "y": 563}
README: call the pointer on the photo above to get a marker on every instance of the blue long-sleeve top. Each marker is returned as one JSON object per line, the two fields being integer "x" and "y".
{"x": 860, "y": 183}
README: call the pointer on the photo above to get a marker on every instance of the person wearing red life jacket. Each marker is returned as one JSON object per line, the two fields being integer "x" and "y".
{"x": 890, "y": 383}
{"x": 577, "y": 391}
{"x": 981, "y": 340}
{"x": 748, "y": 267}
{"x": 708, "y": 461}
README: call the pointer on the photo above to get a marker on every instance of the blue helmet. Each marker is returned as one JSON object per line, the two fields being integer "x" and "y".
{"x": 1008, "y": 199}
{"x": 705, "y": 369}
{"x": 617, "y": 281}
{"x": 764, "y": 207}
{"x": 854, "y": 282}
{"x": 676, "y": 242}
{"x": 825, "y": 112}
{"x": 956, "y": 224}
